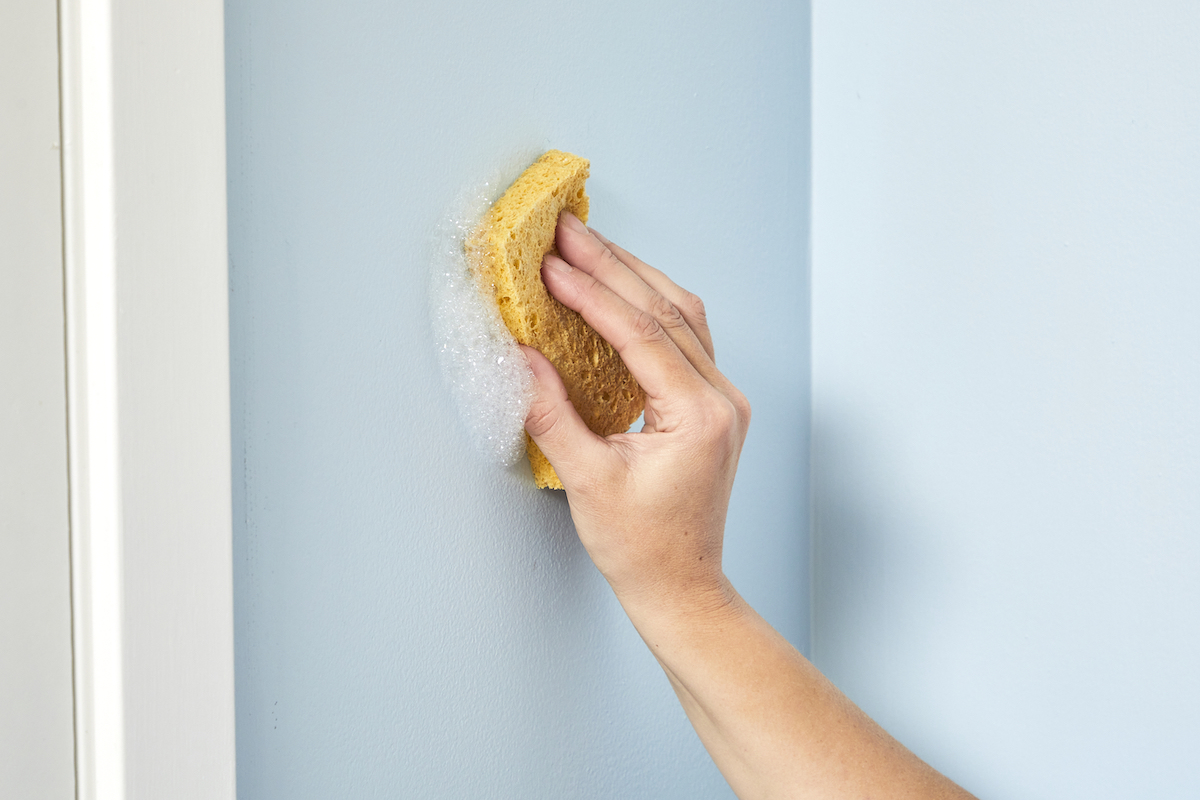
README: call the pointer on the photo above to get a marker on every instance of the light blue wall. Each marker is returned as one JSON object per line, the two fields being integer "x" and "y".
{"x": 1006, "y": 386}
{"x": 412, "y": 622}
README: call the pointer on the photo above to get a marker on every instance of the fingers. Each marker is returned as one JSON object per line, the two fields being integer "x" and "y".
{"x": 552, "y": 422}
{"x": 684, "y": 323}
{"x": 689, "y": 305}
{"x": 587, "y": 253}
{"x": 652, "y": 358}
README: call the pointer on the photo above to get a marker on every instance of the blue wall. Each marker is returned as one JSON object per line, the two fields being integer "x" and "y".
{"x": 412, "y": 621}
{"x": 1006, "y": 374}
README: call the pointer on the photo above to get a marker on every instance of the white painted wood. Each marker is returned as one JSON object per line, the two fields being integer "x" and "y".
{"x": 37, "y": 749}
{"x": 147, "y": 330}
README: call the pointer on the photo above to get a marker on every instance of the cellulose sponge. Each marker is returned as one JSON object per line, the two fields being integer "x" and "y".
{"x": 505, "y": 253}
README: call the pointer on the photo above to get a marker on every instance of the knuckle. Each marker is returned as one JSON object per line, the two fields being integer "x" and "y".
{"x": 646, "y": 328}
{"x": 727, "y": 418}
{"x": 541, "y": 419}
{"x": 694, "y": 307}
{"x": 610, "y": 258}
{"x": 588, "y": 284}
{"x": 585, "y": 295}
{"x": 742, "y": 406}
{"x": 718, "y": 417}
{"x": 665, "y": 312}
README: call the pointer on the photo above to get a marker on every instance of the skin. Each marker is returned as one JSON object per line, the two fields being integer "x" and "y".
{"x": 650, "y": 508}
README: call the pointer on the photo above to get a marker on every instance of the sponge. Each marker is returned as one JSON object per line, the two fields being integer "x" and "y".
{"x": 505, "y": 253}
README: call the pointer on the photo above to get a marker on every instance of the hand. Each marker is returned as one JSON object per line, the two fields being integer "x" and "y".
{"x": 649, "y": 507}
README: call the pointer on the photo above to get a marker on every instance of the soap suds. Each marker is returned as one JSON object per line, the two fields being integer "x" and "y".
{"x": 487, "y": 373}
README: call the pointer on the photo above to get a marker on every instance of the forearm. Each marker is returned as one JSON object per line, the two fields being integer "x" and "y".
{"x": 650, "y": 508}
{"x": 772, "y": 723}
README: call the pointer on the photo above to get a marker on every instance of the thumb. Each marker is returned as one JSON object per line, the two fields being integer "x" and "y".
{"x": 561, "y": 434}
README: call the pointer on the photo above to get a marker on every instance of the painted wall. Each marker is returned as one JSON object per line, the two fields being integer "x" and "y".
{"x": 37, "y": 733}
{"x": 1006, "y": 382}
{"x": 411, "y": 621}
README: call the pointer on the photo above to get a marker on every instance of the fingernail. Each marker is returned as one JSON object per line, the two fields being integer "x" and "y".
{"x": 573, "y": 222}
{"x": 552, "y": 260}
{"x": 599, "y": 236}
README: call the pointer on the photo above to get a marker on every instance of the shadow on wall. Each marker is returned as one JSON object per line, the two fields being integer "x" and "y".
{"x": 877, "y": 567}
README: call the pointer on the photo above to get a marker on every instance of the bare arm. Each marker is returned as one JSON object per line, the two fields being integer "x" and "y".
{"x": 650, "y": 509}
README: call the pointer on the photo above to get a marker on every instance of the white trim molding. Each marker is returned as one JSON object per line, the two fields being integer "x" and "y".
{"x": 148, "y": 397}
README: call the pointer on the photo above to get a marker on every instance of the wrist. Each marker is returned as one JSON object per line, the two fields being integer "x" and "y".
{"x": 667, "y": 611}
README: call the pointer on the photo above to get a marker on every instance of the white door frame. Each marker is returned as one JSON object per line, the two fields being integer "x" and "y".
{"x": 143, "y": 116}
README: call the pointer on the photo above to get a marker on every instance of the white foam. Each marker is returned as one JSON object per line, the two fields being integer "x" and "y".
{"x": 489, "y": 378}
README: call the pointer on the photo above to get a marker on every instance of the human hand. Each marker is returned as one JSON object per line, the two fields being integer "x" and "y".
{"x": 649, "y": 507}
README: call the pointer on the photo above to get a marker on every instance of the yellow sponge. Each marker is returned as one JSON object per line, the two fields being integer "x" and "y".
{"x": 506, "y": 252}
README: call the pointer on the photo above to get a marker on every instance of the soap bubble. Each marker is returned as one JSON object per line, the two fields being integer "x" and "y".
{"x": 489, "y": 378}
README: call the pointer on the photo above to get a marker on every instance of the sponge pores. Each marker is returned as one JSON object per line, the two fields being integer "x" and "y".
{"x": 505, "y": 253}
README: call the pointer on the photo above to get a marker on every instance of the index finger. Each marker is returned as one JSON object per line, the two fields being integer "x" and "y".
{"x": 658, "y": 366}
{"x": 689, "y": 305}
